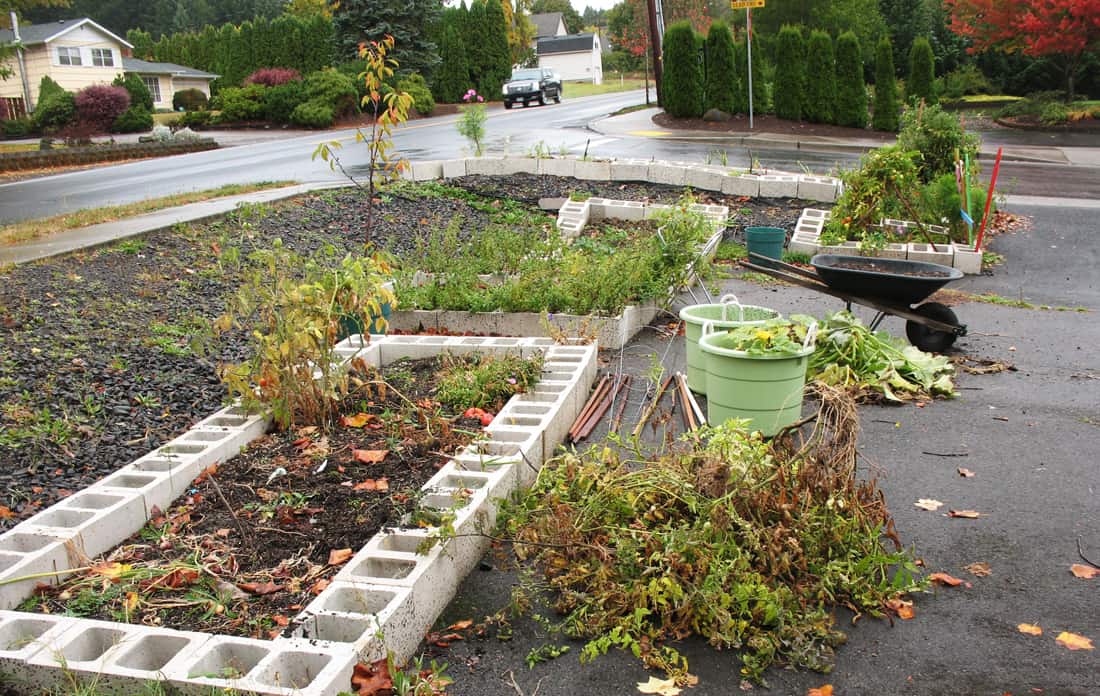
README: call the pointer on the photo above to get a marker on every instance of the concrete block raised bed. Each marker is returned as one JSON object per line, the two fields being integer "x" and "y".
{"x": 967, "y": 259}
{"x": 920, "y": 251}
{"x": 778, "y": 186}
{"x": 741, "y": 185}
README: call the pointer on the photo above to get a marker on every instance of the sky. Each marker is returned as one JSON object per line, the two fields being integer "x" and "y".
{"x": 579, "y": 5}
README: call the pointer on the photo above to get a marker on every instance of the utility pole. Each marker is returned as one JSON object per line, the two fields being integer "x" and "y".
{"x": 27, "y": 106}
{"x": 655, "y": 46}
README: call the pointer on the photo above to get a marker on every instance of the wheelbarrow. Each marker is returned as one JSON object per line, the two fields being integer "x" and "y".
{"x": 891, "y": 287}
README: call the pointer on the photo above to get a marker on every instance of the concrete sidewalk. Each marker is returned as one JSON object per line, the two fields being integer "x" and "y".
{"x": 107, "y": 232}
{"x": 639, "y": 124}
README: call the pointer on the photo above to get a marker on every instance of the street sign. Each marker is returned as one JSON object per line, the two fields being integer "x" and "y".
{"x": 745, "y": 4}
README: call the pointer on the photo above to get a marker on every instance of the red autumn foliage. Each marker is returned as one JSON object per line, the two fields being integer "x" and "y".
{"x": 97, "y": 106}
{"x": 270, "y": 77}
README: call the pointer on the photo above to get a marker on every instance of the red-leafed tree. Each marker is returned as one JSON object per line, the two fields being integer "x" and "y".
{"x": 628, "y": 25}
{"x": 695, "y": 11}
{"x": 1062, "y": 29}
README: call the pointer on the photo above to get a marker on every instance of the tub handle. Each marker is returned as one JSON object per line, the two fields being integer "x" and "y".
{"x": 708, "y": 327}
{"x": 726, "y": 301}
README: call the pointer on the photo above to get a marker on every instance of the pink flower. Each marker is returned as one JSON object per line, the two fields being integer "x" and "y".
{"x": 480, "y": 98}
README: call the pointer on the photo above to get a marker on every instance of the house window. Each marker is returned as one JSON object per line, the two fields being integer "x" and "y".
{"x": 68, "y": 55}
{"x": 103, "y": 57}
{"x": 153, "y": 84}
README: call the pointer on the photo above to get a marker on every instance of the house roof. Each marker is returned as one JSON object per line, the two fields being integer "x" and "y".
{"x": 546, "y": 24}
{"x": 32, "y": 34}
{"x": 570, "y": 43}
{"x": 145, "y": 67}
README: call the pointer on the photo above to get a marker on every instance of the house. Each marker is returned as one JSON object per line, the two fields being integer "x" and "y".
{"x": 573, "y": 56}
{"x": 77, "y": 53}
{"x": 548, "y": 24}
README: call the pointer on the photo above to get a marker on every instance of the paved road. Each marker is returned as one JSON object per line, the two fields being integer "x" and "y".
{"x": 562, "y": 127}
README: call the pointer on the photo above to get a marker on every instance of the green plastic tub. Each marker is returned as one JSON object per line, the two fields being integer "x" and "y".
{"x": 727, "y": 314}
{"x": 766, "y": 390}
{"x": 766, "y": 241}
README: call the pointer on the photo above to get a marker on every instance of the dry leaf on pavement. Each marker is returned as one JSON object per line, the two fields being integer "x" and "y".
{"x": 826, "y": 690}
{"x": 968, "y": 514}
{"x": 461, "y": 625}
{"x": 357, "y": 421}
{"x": 964, "y": 472}
{"x": 1084, "y": 571}
{"x": 980, "y": 568}
{"x": 902, "y": 608}
{"x": 1072, "y": 641}
{"x": 661, "y": 687}
{"x": 339, "y": 556}
{"x": 945, "y": 579}
{"x": 928, "y": 504}
{"x": 1030, "y": 629}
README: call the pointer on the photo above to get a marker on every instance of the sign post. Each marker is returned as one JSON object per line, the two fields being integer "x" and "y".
{"x": 747, "y": 5}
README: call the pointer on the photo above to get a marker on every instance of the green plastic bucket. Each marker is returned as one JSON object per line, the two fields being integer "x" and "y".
{"x": 766, "y": 390}
{"x": 727, "y": 314}
{"x": 766, "y": 241}
{"x": 351, "y": 325}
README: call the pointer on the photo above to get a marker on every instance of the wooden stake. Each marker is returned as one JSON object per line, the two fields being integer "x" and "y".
{"x": 652, "y": 407}
{"x": 588, "y": 406}
{"x": 617, "y": 419}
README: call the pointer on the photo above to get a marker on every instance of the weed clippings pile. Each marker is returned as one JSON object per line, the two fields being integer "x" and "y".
{"x": 745, "y": 543}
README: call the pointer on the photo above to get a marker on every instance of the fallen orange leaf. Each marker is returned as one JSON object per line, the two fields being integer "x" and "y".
{"x": 1072, "y": 641}
{"x": 6, "y": 513}
{"x": 980, "y": 568}
{"x": 369, "y": 456}
{"x": 902, "y": 608}
{"x": 111, "y": 571}
{"x": 965, "y": 473}
{"x": 1084, "y": 571}
{"x": 338, "y": 556}
{"x": 968, "y": 514}
{"x": 259, "y": 588}
{"x": 381, "y": 484}
{"x": 280, "y": 620}
{"x": 1030, "y": 629}
{"x": 369, "y": 680}
{"x": 826, "y": 690}
{"x": 320, "y": 586}
{"x": 945, "y": 579}
{"x": 461, "y": 625}
{"x": 357, "y": 421}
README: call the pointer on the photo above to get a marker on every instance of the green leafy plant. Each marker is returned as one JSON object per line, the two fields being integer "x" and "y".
{"x": 486, "y": 381}
{"x": 851, "y": 356}
{"x": 885, "y": 116}
{"x": 774, "y": 338}
{"x": 884, "y": 186}
{"x": 471, "y": 124}
{"x": 938, "y": 138}
{"x": 292, "y": 308}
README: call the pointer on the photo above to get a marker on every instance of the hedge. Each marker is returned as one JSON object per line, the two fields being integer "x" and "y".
{"x": 722, "y": 81}
{"x": 790, "y": 74}
{"x": 682, "y": 80}
{"x": 886, "y": 88}
{"x": 819, "y": 103}
{"x": 851, "y": 91}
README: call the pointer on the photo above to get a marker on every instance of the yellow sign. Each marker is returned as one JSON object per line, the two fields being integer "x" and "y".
{"x": 746, "y": 4}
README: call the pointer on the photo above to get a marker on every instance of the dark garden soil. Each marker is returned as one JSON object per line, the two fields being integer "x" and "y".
{"x": 767, "y": 123}
{"x": 96, "y": 362}
{"x": 257, "y": 537}
{"x": 871, "y": 266}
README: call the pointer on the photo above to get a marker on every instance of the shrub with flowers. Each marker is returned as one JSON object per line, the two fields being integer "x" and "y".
{"x": 472, "y": 123}
{"x": 272, "y": 77}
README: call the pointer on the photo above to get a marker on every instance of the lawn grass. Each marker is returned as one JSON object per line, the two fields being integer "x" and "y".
{"x": 979, "y": 99}
{"x": 166, "y": 119}
{"x": 33, "y": 229}
{"x": 611, "y": 84}
{"x": 18, "y": 147}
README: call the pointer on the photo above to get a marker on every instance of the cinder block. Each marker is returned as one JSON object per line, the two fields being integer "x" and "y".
{"x": 454, "y": 169}
{"x": 654, "y": 211}
{"x": 665, "y": 173}
{"x": 427, "y": 171}
{"x": 357, "y": 613}
{"x": 630, "y": 170}
{"x": 625, "y": 210}
{"x": 920, "y": 251}
{"x": 120, "y": 514}
{"x": 155, "y": 488}
{"x": 593, "y": 170}
{"x": 817, "y": 188}
{"x": 815, "y": 214}
{"x": 558, "y": 166}
{"x": 22, "y": 635}
{"x": 27, "y": 551}
{"x": 86, "y": 649}
{"x": 803, "y": 244}
{"x": 778, "y": 186}
{"x": 892, "y": 250}
{"x": 967, "y": 259}
{"x": 485, "y": 166}
{"x": 704, "y": 179}
{"x": 596, "y": 208}
{"x": 147, "y": 657}
{"x": 741, "y": 185}
{"x": 842, "y": 249}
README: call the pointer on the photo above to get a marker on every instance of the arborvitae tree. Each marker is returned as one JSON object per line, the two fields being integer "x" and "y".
{"x": 922, "y": 72}
{"x": 851, "y": 92}
{"x": 790, "y": 72}
{"x": 682, "y": 84}
{"x": 760, "y": 102}
{"x": 223, "y": 56}
{"x": 143, "y": 43}
{"x": 721, "y": 72}
{"x": 240, "y": 55}
{"x": 453, "y": 77}
{"x": 738, "y": 77}
{"x": 477, "y": 55}
{"x": 820, "y": 102}
{"x": 408, "y": 21}
{"x": 497, "y": 51}
{"x": 318, "y": 44}
{"x": 886, "y": 88}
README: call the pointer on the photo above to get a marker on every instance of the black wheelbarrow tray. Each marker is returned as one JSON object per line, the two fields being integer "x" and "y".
{"x": 889, "y": 286}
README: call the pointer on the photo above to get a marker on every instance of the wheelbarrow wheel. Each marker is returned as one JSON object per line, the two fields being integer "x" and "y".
{"x": 925, "y": 337}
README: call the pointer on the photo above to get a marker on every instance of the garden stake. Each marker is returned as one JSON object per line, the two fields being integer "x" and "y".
{"x": 592, "y": 400}
{"x": 989, "y": 199}
{"x": 687, "y": 413}
{"x": 617, "y": 418}
{"x": 598, "y": 402}
{"x": 652, "y": 406}
{"x": 966, "y": 199}
{"x": 696, "y": 409}
{"x": 605, "y": 404}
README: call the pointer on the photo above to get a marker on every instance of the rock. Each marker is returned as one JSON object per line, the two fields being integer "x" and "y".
{"x": 716, "y": 115}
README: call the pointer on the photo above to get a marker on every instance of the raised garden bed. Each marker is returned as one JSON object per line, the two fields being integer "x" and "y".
{"x": 382, "y": 598}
